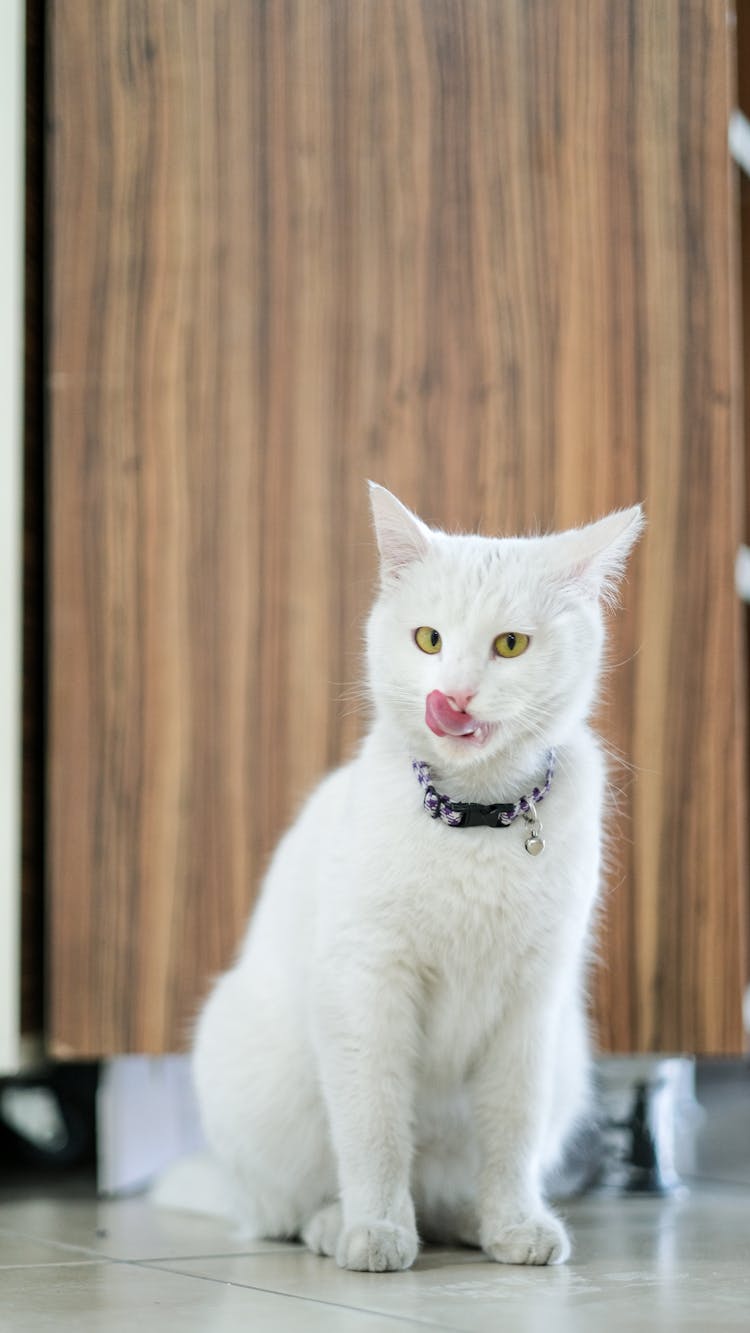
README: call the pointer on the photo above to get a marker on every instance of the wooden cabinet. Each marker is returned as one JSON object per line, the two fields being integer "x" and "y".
{"x": 481, "y": 252}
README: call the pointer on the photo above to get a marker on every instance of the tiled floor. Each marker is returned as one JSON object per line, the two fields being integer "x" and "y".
{"x": 68, "y": 1262}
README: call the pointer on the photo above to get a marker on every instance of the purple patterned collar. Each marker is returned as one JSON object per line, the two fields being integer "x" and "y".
{"x": 470, "y": 814}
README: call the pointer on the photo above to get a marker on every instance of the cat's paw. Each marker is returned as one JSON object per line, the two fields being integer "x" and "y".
{"x": 540, "y": 1239}
{"x": 377, "y": 1247}
{"x": 321, "y": 1234}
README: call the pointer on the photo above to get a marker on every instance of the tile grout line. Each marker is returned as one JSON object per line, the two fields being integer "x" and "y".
{"x": 61, "y": 1263}
{"x": 7, "y": 1233}
{"x": 295, "y": 1296}
{"x": 92, "y": 1258}
{"x": 733, "y": 1185}
{"x": 240, "y": 1286}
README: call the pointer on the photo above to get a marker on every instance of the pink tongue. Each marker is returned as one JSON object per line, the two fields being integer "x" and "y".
{"x": 444, "y": 720}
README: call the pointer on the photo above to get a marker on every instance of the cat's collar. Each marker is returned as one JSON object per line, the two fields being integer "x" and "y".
{"x": 471, "y": 814}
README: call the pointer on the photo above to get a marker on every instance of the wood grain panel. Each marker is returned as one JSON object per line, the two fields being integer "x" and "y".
{"x": 479, "y": 252}
{"x": 743, "y": 188}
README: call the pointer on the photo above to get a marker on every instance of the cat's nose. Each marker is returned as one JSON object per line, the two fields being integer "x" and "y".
{"x": 460, "y": 699}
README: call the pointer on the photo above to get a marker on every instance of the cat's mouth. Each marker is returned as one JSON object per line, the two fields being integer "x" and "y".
{"x": 444, "y": 719}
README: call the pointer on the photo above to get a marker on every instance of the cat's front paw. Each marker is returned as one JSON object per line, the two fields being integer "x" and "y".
{"x": 540, "y": 1239}
{"x": 377, "y": 1247}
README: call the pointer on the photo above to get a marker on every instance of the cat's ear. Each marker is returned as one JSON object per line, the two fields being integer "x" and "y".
{"x": 402, "y": 537}
{"x": 593, "y": 558}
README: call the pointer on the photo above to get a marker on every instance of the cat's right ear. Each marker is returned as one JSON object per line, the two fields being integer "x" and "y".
{"x": 402, "y": 537}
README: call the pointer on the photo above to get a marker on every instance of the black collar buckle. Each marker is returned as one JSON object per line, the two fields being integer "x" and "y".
{"x": 474, "y": 815}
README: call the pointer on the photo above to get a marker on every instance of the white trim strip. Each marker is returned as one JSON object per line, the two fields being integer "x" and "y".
{"x": 739, "y": 140}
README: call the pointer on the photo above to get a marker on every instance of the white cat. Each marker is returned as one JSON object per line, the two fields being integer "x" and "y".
{"x": 401, "y": 1046}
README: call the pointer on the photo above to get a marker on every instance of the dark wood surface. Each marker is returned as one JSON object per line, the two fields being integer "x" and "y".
{"x": 34, "y": 690}
{"x": 479, "y": 252}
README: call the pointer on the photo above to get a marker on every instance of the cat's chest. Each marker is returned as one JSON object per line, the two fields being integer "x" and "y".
{"x": 472, "y": 890}
{"x": 473, "y": 960}
{"x": 483, "y": 928}
{"x": 478, "y": 893}
{"x": 473, "y": 907}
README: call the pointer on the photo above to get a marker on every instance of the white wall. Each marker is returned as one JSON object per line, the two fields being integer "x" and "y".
{"x": 12, "y": 119}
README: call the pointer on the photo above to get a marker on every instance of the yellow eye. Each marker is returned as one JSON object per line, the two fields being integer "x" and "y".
{"x": 428, "y": 639}
{"x": 511, "y": 644}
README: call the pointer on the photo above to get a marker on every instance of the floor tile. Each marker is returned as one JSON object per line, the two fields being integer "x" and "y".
{"x": 639, "y": 1263}
{"x": 121, "y": 1228}
{"x": 118, "y": 1298}
{"x": 23, "y": 1250}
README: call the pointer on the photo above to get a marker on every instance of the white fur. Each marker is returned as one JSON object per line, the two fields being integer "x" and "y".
{"x": 402, "y": 1042}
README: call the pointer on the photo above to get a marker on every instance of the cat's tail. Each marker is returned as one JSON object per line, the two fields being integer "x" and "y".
{"x": 195, "y": 1184}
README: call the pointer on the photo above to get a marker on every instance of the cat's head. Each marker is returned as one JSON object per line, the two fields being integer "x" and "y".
{"x": 479, "y": 645}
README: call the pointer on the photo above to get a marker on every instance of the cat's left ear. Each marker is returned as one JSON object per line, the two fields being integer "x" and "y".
{"x": 594, "y": 557}
{"x": 402, "y": 537}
